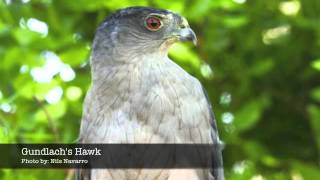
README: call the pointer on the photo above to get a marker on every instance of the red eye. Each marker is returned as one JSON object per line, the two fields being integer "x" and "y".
{"x": 153, "y": 23}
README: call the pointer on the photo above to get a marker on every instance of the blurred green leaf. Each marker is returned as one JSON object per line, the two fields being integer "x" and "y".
{"x": 307, "y": 171}
{"x": 235, "y": 21}
{"x": 262, "y": 67}
{"x": 75, "y": 56}
{"x": 199, "y": 9}
{"x": 315, "y": 94}
{"x": 316, "y": 64}
{"x": 182, "y": 52}
{"x": 29, "y": 89}
{"x": 53, "y": 112}
{"x": 3, "y": 133}
{"x": 248, "y": 49}
{"x": 25, "y": 36}
{"x": 177, "y": 6}
{"x": 250, "y": 113}
{"x": 314, "y": 113}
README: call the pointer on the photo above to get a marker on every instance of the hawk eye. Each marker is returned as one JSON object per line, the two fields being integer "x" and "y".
{"x": 153, "y": 23}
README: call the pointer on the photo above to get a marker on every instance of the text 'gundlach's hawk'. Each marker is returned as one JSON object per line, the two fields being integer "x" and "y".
{"x": 139, "y": 95}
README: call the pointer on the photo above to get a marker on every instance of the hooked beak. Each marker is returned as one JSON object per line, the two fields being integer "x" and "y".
{"x": 187, "y": 34}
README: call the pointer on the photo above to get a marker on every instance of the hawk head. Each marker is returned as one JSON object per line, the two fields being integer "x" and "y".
{"x": 141, "y": 30}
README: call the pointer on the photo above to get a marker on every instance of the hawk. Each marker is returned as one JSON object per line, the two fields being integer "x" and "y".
{"x": 139, "y": 95}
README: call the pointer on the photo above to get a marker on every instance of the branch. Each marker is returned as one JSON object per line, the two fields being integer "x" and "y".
{"x": 50, "y": 120}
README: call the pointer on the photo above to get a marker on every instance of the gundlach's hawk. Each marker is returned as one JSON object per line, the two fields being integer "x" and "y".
{"x": 139, "y": 95}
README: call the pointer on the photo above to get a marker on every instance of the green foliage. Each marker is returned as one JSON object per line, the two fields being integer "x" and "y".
{"x": 316, "y": 64}
{"x": 258, "y": 60}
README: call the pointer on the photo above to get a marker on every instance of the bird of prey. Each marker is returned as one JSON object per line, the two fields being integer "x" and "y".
{"x": 139, "y": 95}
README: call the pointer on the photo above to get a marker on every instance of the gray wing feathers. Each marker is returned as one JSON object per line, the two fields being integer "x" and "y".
{"x": 217, "y": 162}
{"x": 82, "y": 174}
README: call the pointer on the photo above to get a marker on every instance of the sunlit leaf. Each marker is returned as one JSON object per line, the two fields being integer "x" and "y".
{"x": 316, "y": 64}
{"x": 183, "y": 53}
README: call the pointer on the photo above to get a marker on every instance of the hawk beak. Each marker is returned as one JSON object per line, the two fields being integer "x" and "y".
{"x": 187, "y": 34}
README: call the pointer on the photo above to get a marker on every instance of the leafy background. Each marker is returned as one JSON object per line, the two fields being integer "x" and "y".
{"x": 259, "y": 61}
